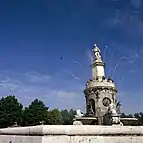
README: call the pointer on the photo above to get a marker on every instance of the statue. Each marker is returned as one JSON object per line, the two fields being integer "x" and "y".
{"x": 78, "y": 114}
{"x": 112, "y": 109}
{"x": 114, "y": 116}
{"x": 96, "y": 52}
{"x": 90, "y": 110}
{"x": 91, "y": 107}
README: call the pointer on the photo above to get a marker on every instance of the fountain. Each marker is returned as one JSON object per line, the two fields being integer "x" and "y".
{"x": 100, "y": 94}
{"x": 100, "y": 123}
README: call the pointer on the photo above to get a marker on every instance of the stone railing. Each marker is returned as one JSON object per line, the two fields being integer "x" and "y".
{"x": 72, "y": 134}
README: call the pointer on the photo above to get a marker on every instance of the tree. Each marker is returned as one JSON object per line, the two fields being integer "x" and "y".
{"x": 68, "y": 116}
{"x": 65, "y": 115}
{"x": 10, "y": 111}
{"x": 139, "y": 116}
{"x": 54, "y": 117}
{"x": 123, "y": 115}
{"x": 71, "y": 116}
{"x": 35, "y": 114}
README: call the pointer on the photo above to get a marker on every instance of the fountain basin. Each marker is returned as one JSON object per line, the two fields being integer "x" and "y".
{"x": 86, "y": 120}
{"x": 129, "y": 121}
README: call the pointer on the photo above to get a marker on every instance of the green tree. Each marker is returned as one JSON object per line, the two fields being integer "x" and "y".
{"x": 68, "y": 116}
{"x": 65, "y": 115}
{"x": 139, "y": 116}
{"x": 35, "y": 114}
{"x": 10, "y": 111}
{"x": 71, "y": 116}
{"x": 123, "y": 115}
{"x": 54, "y": 117}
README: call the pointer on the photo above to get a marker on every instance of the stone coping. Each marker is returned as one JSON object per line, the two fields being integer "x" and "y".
{"x": 129, "y": 119}
{"x": 73, "y": 130}
{"x": 85, "y": 118}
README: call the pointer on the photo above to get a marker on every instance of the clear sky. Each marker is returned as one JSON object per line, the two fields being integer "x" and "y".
{"x": 35, "y": 34}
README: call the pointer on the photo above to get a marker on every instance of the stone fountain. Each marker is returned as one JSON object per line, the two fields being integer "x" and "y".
{"x": 100, "y": 94}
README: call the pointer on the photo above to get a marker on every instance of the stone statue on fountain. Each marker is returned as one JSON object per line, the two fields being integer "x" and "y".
{"x": 90, "y": 111}
{"x": 113, "y": 115}
{"x": 78, "y": 113}
{"x": 96, "y": 52}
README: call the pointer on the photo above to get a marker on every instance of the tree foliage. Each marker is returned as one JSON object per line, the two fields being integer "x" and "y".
{"x": 35, "y": 114}
{"x": 65, "y": 115}
{"x": 139, "y": 116}
{"x": 10, "y": 111}
{"x": 54, "y": 117}
{"x": 68, "y": 116}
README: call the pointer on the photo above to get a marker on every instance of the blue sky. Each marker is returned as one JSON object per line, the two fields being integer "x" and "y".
{"x": 34, "y": 34}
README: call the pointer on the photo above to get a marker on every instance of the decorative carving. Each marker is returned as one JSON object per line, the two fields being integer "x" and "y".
{"x": 90, "y": 110}
{"x": 91, "y": 106}
{"x": 106, "y": 101}
{"x": 103, "y": 91}
{"x": 77, "y": 123}
{"x": 113, "y": 97}
{"x": 92, "y": 92}
{"x": 99, "y": 88}
{"x": 97, "y": 96}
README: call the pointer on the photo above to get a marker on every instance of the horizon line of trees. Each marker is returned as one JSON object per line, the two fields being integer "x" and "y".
{"x": 12, "y": 112}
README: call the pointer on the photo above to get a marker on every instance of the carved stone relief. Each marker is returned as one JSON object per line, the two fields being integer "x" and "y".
{"x": 106, "y": 101}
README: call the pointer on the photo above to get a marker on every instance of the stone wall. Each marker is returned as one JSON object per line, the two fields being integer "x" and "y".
{"x": 72, "y": 134}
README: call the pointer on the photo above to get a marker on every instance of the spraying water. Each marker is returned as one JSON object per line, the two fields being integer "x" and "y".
{"x": 72, "y": 75}
{"x": 110, "y": 64}
{"x": 89, "y": 55}
{"x": 126, "y": 62}
{"x": 78, "y": 63}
